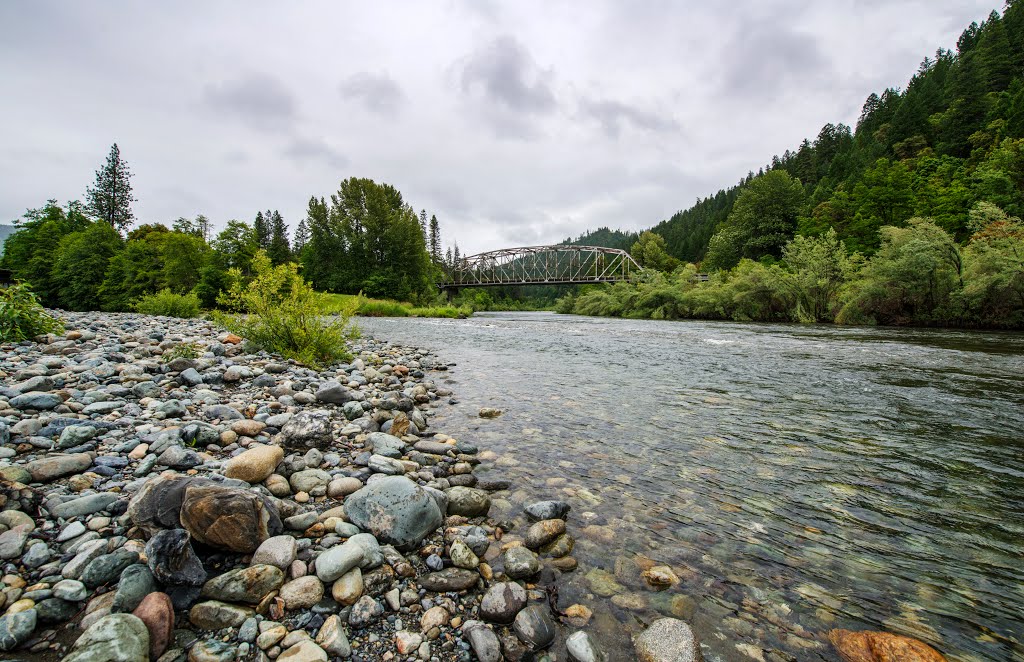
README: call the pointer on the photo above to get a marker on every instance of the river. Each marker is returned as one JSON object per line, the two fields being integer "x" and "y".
{"x": 796, "y": 478}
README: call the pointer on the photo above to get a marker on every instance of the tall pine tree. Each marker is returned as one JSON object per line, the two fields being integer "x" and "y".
{"x": 435, "y": 240}
{"x": 278, "y": 251}
{"x": 262, "y": 228}
{"x": 110, "y": 199}
{"x": 300, "y": 238}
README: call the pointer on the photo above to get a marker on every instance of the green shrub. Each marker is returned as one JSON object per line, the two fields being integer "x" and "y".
{"x": 186, "y": 350}
{"x": 284, "y": 314}
{"x": 21, "y": 315}
{"x": 169, "y": 304}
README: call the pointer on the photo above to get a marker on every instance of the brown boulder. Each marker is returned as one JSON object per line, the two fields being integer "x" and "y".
{"x": 157, "y": 612}
{"x": 157, "y": 506}
{"x": 867, "y": 646}
{"x": 229, "y": 517}
{"x": 254, "y": 465}
{"x": 247, "y": 427}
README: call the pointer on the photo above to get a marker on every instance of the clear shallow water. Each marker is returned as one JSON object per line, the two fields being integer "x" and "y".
{"x": 797, "y": 479}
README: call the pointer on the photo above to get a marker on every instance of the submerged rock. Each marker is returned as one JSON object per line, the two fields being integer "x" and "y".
{"x": 668, "y": 640}
{"x": 868, "y": 646}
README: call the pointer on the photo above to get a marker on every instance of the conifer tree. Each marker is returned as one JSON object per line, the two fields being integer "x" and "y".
{"x": 301, "y": 237}
{"x": 262, "y": 228}
{"x": 110, "y": 199}
{"x": 278, "y": 250}
{"x": 435, "y": 240}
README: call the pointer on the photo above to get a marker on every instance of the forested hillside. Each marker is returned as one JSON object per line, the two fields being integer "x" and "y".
{"x": 912, "y": 218}
{"x": 953, "y": 137}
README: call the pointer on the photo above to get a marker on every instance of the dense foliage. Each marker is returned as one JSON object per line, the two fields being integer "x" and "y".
{"x": 169, "y": 304}
{"x": 919, "y": 275}
{"x": 21, "y": 315}
{"x": 281, "y": 313}
{"x": 77, "y": 262}
{"x": 368, "y": 240}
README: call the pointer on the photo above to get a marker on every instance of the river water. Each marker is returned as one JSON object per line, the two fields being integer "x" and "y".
{"x": 796, "y": 478}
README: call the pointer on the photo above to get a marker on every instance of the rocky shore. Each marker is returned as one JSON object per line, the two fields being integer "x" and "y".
{"x": 168, "y": 494}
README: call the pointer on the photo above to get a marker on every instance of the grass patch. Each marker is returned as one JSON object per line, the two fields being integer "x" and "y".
{"x": 450, "y": 312}
{"x": 367, "y": 307}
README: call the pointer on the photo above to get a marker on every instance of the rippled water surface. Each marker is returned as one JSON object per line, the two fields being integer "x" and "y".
{"x": 797, "y": 479}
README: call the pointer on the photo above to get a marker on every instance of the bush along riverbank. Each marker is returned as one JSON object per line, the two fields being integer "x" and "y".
{"x": 232, "y": 505}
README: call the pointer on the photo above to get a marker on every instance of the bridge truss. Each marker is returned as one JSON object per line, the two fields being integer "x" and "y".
{"x": 542, "y": 265}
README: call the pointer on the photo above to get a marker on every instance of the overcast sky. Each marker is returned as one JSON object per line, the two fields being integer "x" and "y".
{"x": 516, "y": 123}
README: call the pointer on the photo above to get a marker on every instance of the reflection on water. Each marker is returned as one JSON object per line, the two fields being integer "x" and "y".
{"x": 796, "y": 479}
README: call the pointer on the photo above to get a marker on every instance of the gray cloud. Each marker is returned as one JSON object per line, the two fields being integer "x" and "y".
{"x": 378, "y": 93}
{"x": 514, "y": 122}
{"x": 258, "y": 99}
{"x": 505, "y": 74}
{"x": 314, "y": 152}
{"x": 764, "y": 53}
{"x": 614, "y": 116}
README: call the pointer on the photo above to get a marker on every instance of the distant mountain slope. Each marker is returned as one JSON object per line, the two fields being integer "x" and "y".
{"x": 605, "y": 238}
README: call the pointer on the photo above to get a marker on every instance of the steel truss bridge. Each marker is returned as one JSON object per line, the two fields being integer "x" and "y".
{"x": 542, "y": 265}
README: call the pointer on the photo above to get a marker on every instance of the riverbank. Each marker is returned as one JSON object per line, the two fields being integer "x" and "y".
{"x": 233, "y": 504}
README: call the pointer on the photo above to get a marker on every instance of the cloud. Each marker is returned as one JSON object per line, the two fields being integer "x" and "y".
{"x": 613, "y": 116}
{"x": 765, "y": 57}
{"x": 378, "y": 93}
{"x": 259, "y": 99}
{"x": 312, "y": 151}
{"x": 505, "y": 74}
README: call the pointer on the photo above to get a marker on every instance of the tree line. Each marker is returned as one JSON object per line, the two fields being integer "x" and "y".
{"x": 88, "y": 256}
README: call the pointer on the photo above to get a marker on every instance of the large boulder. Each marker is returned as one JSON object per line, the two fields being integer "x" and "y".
{"x": 308, "y": 429}
{"x": 396, "y": 510}
{"x": 868, "y": 646}
{"x": 157, "y": 506}
{"x": 255, "y": 464}
{"x": 668, "y": 640}
{"x": 113, "y": 638}
{"x": 229, "y": 517}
